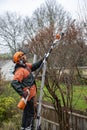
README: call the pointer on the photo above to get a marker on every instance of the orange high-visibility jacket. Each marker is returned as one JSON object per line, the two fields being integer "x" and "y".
{"x": 23, "y": 78}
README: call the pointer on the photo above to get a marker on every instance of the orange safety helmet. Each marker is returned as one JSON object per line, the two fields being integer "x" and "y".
{"x": 17, "y": 56}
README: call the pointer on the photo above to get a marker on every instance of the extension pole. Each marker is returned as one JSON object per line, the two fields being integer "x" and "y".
{"x": 38, "y": 120}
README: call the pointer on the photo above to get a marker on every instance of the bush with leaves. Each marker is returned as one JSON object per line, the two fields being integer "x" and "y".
{"x": 6, "y": 108}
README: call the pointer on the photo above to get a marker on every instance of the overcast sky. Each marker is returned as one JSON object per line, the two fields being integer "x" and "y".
{"x": 26, "y": 7}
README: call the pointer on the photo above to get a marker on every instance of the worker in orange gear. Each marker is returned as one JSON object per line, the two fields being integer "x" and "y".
{"x": 23, "y": 79}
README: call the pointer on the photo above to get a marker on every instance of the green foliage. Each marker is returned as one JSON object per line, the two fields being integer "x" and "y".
{"x": 2, "y": 114}
{"x": 9, "y": 114}
{"x": 6, "y": 108}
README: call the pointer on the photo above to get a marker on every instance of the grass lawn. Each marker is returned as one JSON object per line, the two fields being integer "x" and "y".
{"x": 79, "y": 101}
{"x": 80, "y": 97}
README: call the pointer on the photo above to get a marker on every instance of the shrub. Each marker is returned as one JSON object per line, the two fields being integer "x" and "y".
{"x": 6, "y": 108}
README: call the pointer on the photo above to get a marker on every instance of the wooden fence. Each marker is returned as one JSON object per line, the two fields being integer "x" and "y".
{"x": 49, "y": 119}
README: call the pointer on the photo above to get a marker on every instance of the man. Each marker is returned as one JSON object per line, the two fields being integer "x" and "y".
{"x": 23, "y": 79}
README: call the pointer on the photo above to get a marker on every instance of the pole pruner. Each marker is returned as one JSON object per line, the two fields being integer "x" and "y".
{"x": 38, "y": 119}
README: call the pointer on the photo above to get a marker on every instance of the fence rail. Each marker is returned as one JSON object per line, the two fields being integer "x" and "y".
{"x": 50, "y": 121}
